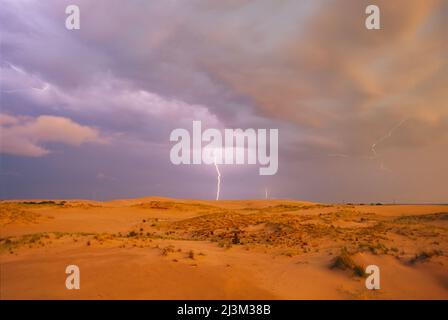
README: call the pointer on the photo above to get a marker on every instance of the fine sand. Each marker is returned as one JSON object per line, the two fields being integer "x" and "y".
{"x": 160, "y": 248}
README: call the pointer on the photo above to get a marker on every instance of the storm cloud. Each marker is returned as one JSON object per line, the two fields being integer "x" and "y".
{"x": 362, "y": 114}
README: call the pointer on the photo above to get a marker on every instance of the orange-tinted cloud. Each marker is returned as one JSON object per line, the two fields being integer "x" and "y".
{"x": 336, "y": 66}
{"x": 26, "y": 136}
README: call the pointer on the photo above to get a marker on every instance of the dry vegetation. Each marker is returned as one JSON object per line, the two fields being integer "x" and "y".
{"x": 338, "y": 233}
{"x": 284, "y": 226}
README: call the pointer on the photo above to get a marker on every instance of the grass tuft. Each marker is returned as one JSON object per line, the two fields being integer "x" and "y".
{"x": 344, "y": 261}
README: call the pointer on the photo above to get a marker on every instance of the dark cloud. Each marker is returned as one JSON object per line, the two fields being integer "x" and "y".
{"x": 138, "y": 69}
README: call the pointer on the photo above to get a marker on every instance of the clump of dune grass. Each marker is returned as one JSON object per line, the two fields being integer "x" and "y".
{"x": 191, "y": 254}
{"x": 43, "y": 203}
{"x": 132, "y": 234}
{"x": 289, "y": 253}
{"x": 236, "y": 238}
{"x": 375, "y": 248}
{"x": 344, "y": 261}
{"x": 424, "y": 256}
{"x": 167, "y": 250}
{"x": 28, "y": 239}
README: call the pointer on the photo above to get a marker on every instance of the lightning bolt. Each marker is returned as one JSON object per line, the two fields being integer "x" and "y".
{"x": 266, "y": 193}
{"x": 44, "y": 88}
{"x": 218, "y": 185}
{"x": 382, "y": 139}
{"x": 18, "y": 70}
{"x": 339, "y": 155}
{"x": 374, "y": 145}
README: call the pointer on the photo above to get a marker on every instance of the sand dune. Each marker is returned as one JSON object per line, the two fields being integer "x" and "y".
{"x": 161, "y": 248}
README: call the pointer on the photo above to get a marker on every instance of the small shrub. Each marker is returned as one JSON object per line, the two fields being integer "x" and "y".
{"x": 425, "y": 256}
{"x": 344, "y": 261}
{"x": 236, "y": 238}
{"x": 167, "y": 250}
{"x": 359, "y": 271}
{"x": 132, "y": 234}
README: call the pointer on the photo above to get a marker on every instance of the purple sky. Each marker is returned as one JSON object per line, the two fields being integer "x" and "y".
{"x": 362, "y": 115}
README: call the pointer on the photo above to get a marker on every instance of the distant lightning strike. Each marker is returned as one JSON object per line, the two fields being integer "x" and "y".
{"x": 374, "y": 146}
{"x": 382, "y": 139}
{"x": 339, "y": 155}
{"x": 45, "y": 86}
{"x": 218, "y": 186}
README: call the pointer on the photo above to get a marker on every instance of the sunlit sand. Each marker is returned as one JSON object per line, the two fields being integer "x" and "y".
{"x": 160, "y": 248}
